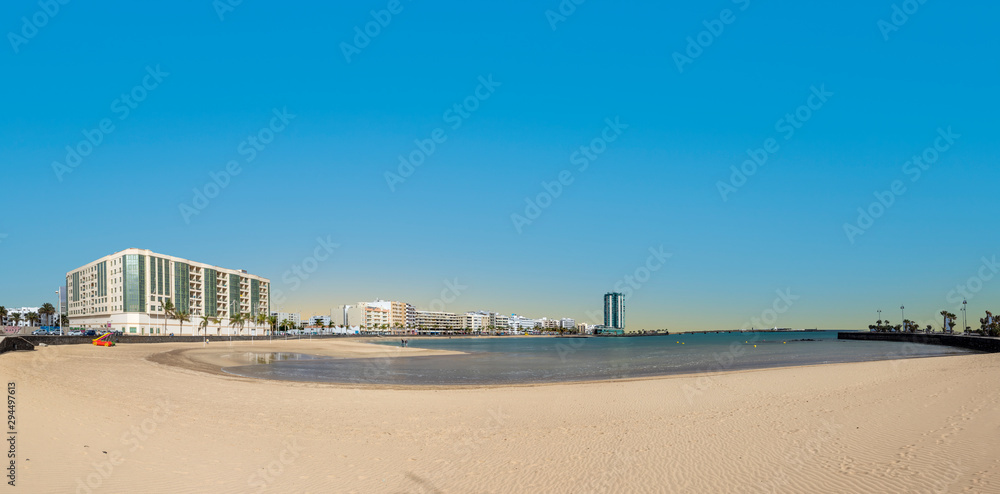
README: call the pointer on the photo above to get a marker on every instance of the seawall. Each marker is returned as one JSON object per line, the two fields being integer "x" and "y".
{"x": 980, "y": 343}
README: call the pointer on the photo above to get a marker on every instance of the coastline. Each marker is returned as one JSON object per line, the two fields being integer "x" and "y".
{"x": 850, "y": 427}
{"x": 213, "y": 361}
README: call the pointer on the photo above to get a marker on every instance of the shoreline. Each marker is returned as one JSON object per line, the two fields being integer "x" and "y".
{"x": 209, "y": 362}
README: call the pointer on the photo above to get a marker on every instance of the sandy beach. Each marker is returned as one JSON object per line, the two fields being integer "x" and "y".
{"x": 163, "y": 418}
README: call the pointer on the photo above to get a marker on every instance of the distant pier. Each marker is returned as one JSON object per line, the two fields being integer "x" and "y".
{"x": 725, "y": 331}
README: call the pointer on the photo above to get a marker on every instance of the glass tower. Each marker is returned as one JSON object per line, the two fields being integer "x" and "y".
{"x": 614, "y": 310}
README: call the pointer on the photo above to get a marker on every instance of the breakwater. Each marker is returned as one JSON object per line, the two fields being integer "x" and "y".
{"x": 979, "y": 343}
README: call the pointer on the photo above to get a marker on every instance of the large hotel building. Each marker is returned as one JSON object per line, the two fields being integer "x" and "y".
{"x": 126, "y": 292}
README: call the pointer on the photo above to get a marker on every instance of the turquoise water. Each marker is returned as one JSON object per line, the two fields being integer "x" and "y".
{"x": 513, "y": 360}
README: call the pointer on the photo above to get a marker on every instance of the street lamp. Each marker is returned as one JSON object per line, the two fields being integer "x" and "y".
{"x": 59, "y": 303}
{"x": 965, "y": 318}
{"x": 903, "y": 312}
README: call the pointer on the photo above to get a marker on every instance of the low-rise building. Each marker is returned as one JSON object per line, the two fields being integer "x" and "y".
{"x": 293, "y": 317}
{"x": 434, "y": 320}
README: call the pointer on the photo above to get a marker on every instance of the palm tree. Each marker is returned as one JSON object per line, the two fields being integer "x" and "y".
{"x": 261, "y": 318}
{"x": 949, "y": 320}
{"x": 182, "y": 316}
{"x": 203, "y": 325}
{"x": 17, "y": 318}
{"x": 272, "y": 322}
{"x": 168, "y": 312}
{"x": 48, "y": 310}
{"x": 990, "y": 325}
{"x": 33, "y": 318}
{"x": 3, "y": 315}
{"x": 236, "y": 320}
{"x": 217, "y": 320}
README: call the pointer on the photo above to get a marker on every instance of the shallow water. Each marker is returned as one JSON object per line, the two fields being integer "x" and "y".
{"x": 513, "y": 360}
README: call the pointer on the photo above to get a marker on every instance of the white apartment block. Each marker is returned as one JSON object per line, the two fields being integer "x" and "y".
{"x": 380, "y": 315}
{"x": 523, "y": 323}
{"x": 439, "y": 320}
{"x": 293, "y": 317}
{"x": 126, "y": 291}
{"x": 23, "y": 312}
{"x": 476, "y": 321}
{"x": 319, "y": 320}
{"x": 567, "y": 324}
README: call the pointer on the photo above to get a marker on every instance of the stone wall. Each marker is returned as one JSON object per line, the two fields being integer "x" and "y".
{"x": 980, "y": 343}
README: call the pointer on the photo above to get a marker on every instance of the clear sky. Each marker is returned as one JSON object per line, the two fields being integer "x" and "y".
{"x": 837, "y": 97}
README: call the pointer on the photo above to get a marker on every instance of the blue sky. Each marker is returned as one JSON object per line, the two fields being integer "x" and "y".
{"x": 889, "y": 93}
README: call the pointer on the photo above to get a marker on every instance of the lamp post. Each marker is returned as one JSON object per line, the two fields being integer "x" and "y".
{"x": 965, "y": 318}
{"x": 879, "y": 319}
{"x": 903, "y": 312}
{"x": 59, "y": 303}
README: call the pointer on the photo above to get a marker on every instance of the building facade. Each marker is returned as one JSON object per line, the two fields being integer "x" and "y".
{"x": 127, "y": 291}
{"x": 614, "y": 310}
{"x": 319, "y": 321}
{"x": 430, "y": 320}
{"x": 293, "y": 317}
{"x": 22, "y": 319}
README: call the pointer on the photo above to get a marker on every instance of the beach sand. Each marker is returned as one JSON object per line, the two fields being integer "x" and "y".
{"x": 135, "y": 418}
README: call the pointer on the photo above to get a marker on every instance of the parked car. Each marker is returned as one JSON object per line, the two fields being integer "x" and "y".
{"x": 55, "y": 332}
{"x": 40, "y": 332}
{"x": 75, "y": 332}
{"x": 90, "y": 332}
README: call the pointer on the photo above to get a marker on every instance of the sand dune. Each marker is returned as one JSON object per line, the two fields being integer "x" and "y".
{"x": 125, "y": 422}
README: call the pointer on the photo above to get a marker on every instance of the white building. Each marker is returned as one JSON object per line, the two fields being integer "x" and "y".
{"x": 23, "y": 312}
{"x": 519, "y": 323}
{"x": 476, "y": 321}
{"x": 294, "y": 317}
{"x": 436, "y": 320}
{"x": 567, "y": 324}
{"x": 319, "y": 320}
{"x": 127, "y": 291}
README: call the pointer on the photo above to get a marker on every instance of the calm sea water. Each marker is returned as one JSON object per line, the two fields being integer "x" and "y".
{"x": 513, "y": 360}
